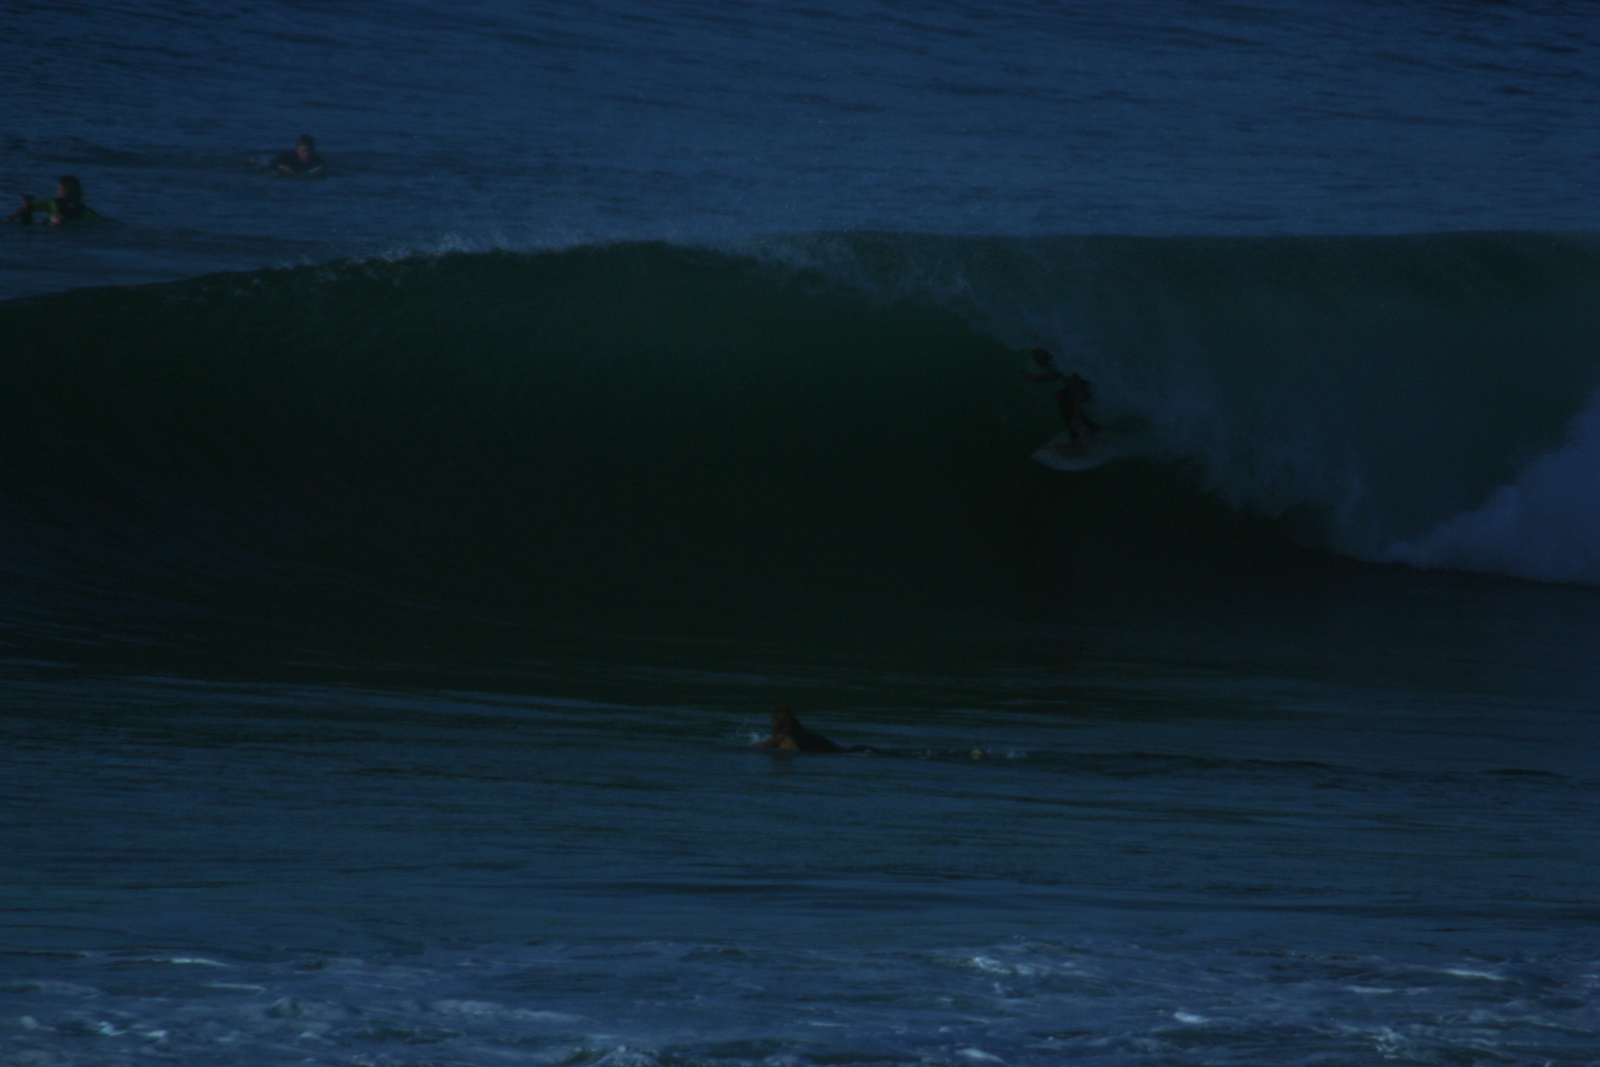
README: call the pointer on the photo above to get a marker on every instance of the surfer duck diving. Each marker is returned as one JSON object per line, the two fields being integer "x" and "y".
{"x": 1072, "y": 399}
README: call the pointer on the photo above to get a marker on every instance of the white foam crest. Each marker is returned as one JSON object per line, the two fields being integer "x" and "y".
{"x": 1545, "y": 525}
{"x": 546, "y": 235}
{"x": 433, "y": 246}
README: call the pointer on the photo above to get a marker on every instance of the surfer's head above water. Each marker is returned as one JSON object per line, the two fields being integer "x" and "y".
{"x": 66, "y": 206}
{"x": 302, "y": 160}
{"x": 790, "y": 736}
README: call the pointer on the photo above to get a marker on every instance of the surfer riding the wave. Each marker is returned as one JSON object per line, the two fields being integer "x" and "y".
{"x": 1072, "y": 398}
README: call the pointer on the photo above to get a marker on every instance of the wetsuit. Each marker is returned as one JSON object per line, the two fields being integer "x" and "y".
{"x": 1071, "y": 400}
{"x": 59, "y": 208}
{"x": 296, "y": 165}
{"x": 790, "y": 736}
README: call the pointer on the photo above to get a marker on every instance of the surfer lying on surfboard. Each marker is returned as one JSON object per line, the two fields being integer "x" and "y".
{"x": 790, "y": 736}
{"x": 302, "y": 161}
{"x": 1071, "y": 399}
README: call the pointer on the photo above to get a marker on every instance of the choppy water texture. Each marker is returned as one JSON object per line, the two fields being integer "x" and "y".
{"x": 395, "y": 568}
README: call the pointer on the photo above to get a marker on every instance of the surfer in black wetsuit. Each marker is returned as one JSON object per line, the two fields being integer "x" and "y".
{"x": 302, "y": 162}
{"x": 1072, "y": 398}
{"x": 789, "y": 736}
{"x": 66, "y": 206}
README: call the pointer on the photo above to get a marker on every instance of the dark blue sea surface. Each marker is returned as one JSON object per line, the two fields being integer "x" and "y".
{"x": 397, "y": 566}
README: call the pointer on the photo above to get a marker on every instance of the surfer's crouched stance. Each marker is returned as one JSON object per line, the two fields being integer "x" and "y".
{"x": 789, "y": 736}
{"x": 1072, "y": 398}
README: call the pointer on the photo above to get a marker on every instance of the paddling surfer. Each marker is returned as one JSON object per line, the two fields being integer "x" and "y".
{"x": 789, "y": 736}
{"x": 303, "y": 161}
{"x": 1071, "y": 399}
{"x": 66, "y": 206}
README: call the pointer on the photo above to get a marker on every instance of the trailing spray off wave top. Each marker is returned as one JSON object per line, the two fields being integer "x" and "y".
{"x": 616, "y": 423}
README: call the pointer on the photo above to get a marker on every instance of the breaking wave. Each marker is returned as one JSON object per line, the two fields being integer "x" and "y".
{"x": 611, "y": 426}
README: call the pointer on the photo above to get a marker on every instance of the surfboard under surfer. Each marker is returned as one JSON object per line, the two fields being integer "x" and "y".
{"x": 66, "y": 206}
{"x": 1072, "y": 398}
{"x": 302, "y": 161}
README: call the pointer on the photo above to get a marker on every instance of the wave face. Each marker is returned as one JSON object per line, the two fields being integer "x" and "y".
{"x": 1376, "y": 389}
{"x": 607, "y": 427}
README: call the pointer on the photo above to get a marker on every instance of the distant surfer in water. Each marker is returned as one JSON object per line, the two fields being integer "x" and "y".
{"x": 1072, "y": 399}
{"x": 66, "y": 206}
{"x": 303, "y": 161}
{"x": 789, "y": 736}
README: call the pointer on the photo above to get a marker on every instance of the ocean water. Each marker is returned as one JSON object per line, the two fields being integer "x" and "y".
{"x": 396, "y": 567}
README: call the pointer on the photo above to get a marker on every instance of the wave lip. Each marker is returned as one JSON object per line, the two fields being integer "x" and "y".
{"x": 1544, "y": 526}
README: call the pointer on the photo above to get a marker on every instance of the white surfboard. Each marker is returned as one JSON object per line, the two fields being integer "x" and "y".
{"x": 1104, "y": 447}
